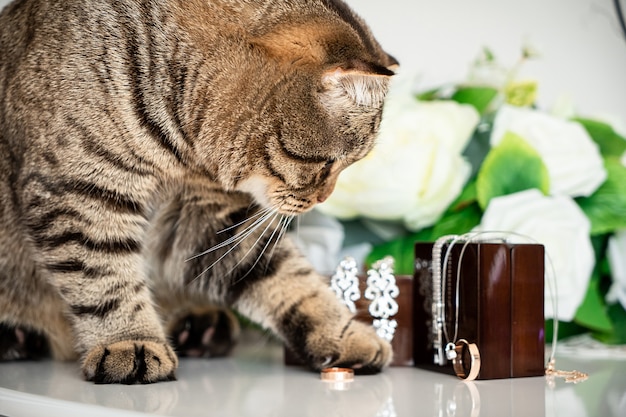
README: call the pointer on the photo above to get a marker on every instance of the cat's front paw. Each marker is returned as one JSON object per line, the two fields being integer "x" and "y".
{"x": 130, "y": 362}
{"x": 359, "y": 347}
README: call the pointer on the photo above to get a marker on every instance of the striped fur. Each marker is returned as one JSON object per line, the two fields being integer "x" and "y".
{"x": 152, "y": 155}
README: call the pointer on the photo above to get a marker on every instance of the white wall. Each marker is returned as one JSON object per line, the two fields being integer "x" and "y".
{"x": 584, "y": 53}
{"x": 583, "y": 50}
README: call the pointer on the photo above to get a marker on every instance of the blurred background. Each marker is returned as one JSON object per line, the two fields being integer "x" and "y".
{"x": 581, "y": 45}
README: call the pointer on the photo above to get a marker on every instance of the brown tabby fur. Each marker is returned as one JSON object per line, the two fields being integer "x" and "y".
{"x": 152, "y": 154}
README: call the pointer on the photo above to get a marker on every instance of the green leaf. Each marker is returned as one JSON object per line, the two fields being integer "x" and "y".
{"x": 510, "y": 167}
{"x": 479, "y": 97}
{"x": 566, "y": 329}
{"x": 610, "y": 143}
{"x": 592, "y": 313}
{"x": 402, "y": 251}
{"x": 479, "y": 145}
{"x": 467, "y": 197}
{"x": 458, "y": 222}
{"x": 606, "y": 208}
{"x": 429, "y": 95}
{"x": 617, "y": 316}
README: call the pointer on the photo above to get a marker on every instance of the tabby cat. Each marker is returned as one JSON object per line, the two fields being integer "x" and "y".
{"x": 152, "y": 155}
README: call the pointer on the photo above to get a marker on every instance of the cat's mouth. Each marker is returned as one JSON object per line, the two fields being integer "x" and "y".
{"x": 279, "y": 198}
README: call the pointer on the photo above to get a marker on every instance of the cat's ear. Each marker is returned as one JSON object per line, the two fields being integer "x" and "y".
{"x": 294, "y": 44}
{"x": 361, "y": 86}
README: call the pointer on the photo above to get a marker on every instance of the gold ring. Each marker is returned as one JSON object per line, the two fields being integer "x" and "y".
{"x": 337, "y": 374}
{"x": 460, "y": 368}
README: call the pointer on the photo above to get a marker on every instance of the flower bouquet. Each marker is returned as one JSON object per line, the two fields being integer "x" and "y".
{"x": 480, "y": 156}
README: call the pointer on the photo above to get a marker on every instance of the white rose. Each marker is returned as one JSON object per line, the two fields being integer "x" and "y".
{"x": 617, "y": 260}
{"x": 572, "y": 158}
{"x": 415, "y": 170}
{"x": 561, "y": 226}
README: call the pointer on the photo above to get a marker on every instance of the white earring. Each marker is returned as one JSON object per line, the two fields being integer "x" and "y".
{"x": 382, "y": 290}
{"x": 345, "y": 283}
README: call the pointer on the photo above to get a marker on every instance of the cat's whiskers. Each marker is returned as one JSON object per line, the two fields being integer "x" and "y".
{"x": 237, "y": 240}
{"x": 257, "y": 214}
{"x": 262, "y": 217}
{"x": 281, "y": 228}
{"x": 283, "y": 225}
{"x": 269, "y": 241}
{"x": 269, "y": 214}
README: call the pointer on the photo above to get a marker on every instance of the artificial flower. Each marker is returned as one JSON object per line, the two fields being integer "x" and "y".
{"x": 560, "y": 225}
{"x": 572, "y": 158}
{"x": 617, "y": 260}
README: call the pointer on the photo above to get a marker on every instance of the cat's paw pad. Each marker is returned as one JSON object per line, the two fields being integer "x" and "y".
{"x": 17, "y": 342}
{"x": 359, "y": 348}
{"x": 208, "y": 332}
{"x": 130, "y": 362}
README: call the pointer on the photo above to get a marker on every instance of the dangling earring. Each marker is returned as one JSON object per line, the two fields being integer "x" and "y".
{"x": 345, "y": 283}
{"x": 382, "y": 290}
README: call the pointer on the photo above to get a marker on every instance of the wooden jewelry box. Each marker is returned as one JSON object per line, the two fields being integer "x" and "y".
{"x": 493, "y": 310}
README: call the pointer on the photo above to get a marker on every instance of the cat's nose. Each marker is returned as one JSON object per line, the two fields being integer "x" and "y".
{"x": 327, "y": 189}
{"x": 322, "y": 197}
{"x": 325, "y": 193}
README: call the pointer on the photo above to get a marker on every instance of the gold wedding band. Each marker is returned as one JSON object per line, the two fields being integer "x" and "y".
{"x": 337, "y": 374}
{"x": 460, "y": 368}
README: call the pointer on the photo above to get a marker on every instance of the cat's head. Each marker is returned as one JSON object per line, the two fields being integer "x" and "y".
{"x": 297, "y": 165}
{"x": 323, "y": 113}
{"x": 305, "y": 93}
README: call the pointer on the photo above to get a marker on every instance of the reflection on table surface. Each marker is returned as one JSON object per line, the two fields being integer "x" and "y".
{"x": 254, "y": 382}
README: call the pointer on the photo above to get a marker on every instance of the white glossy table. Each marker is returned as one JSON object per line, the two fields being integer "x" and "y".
{"x": 254, "y": 382}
